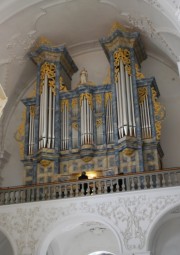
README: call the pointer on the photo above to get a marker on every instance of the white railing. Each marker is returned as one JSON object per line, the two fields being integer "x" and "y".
{"x": 118, "y": 183}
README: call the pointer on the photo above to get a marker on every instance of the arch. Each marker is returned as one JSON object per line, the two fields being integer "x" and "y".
{"x": 10, "y": 239}
{"x": 68, "y": 223}
{"x": 101, "y": 253}
{"x": 157, "y": 223}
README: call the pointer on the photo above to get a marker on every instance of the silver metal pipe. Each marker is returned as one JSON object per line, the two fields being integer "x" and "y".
{"x": 118, "y": 106}
{"x": 129, "y": 104}
{"x": 30, "y": 132}
{"x": 132, "y": 108}
{"x": 53, "y": 122}
{"x": 49, "y": 118}
{"x": 124, "y": 101}
{"x": 45, "y": 112}
{"x": 120, "y": 109}
{"x": 148, "y": 114}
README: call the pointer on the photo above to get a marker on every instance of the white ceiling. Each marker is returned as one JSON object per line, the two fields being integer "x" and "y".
{"x": 79, "y": 24}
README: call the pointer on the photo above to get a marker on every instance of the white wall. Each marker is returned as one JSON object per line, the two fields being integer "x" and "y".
{"x": 97, "y": 66}
{"x": 128, "y": 219}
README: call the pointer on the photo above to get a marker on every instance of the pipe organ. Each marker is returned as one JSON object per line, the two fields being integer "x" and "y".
{"x": 109, "y": 129}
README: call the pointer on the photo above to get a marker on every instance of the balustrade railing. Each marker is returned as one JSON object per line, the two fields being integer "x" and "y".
{"x": 113, "y": 184}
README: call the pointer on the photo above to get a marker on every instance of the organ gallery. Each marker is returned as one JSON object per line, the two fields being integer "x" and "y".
{"x": 105, "y": 129}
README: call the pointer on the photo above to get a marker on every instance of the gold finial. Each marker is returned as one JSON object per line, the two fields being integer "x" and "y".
{"x": 41, "y": 41}
{"x": 117, "y": 26}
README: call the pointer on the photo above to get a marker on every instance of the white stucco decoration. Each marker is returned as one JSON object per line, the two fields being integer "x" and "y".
{"x": 3, "y": 100}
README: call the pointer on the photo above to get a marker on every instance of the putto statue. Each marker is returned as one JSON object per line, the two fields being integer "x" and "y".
{"x": 83, "y": 76}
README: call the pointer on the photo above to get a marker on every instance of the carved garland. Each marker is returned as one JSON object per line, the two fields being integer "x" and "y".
{"x": 124, "y": 55}
{"x": 159, "y": 113}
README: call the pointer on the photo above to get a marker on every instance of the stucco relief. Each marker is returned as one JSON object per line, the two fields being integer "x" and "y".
{"x": 132, "y": 215}
{"x": 149, "y": 30}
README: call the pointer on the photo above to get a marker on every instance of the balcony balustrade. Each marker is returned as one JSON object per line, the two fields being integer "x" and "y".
{"x": 91, "y": 187}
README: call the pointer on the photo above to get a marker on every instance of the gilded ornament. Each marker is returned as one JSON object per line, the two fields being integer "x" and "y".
{"x": 41, "y": 41}
{"x": 64, "y": 102}
{"x": 142, "y": 93}
{"x": 20, "y": 134}
{"x": 128, "y": 152}
{"x": 117, "y": 26}
{"x": 32, "y": 110}
{"x": 108, "y": 96}
{"x": 87, "y": 159}
{"x": 88, "y": 97}
{"x": 159, "y": 113}
{"x": 75, "y": 125}
{"x": 62, "y": 85}
{"x": 124, "y": 55}
{"x": 98, "y": 122}
{"x": 98, "y": 99}
{"x": 120, "y": 42}
{"x": 45, "y": 163}
{"x": 48, "y": 69}
{"x": 74, "y": 102}
{"x": 139, "y": 75}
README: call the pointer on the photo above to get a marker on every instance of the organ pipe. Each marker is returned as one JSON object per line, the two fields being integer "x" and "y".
{"x": 47, "y": 116}
{"x": 125, "y": 103}
{"x": 145, "y": 118}
{"x": 86, "y": 122}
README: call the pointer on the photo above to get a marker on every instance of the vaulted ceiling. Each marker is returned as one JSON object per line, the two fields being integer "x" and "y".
{"x": 79, "y": 24}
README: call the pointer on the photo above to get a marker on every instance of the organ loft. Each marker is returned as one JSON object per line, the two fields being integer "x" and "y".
{"x": 106, "y": 129}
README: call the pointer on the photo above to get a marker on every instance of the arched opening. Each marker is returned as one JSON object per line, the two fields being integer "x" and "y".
{"x": 5, "y": 246}
{"x": 83, "y": 239}
{"x": 82, "y": 234}
{"x": 166, "y": 236}
{"x": 101, "y": 253}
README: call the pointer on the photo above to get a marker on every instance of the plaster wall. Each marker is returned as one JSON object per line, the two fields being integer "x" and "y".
{"x": 167, "y": 237}
{"x": 97, "y": 66}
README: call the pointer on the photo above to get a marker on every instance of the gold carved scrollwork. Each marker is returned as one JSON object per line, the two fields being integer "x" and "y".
{"x": 75, "y": 125}
{"x": 64, "y": 102}
{"x": 88, "y": 96}
{"x": 87, "y": 159}
{"x": 124, "y": 55}
{"x": 32, "y": 110}
{"x": 45, "y": 163}
{"x": 98, "y": 99}
{"x": 139, "y": 75}
{"x": 62, "y": 85}
{"x": 41, "y": 41}
{"x": 108, "y": 96}
{"x": 74, "y": 102}
{"x": 159, "y": 113}
{"x": 48, "y": 69}
{"x": 98, "y": 122}
{"x": 128, "y": 152}
{"x": 20, "y": 133}
{"x": 142, "y": 92}
{"x": 117, "y": 26}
